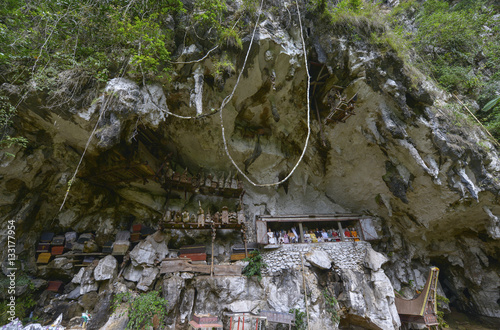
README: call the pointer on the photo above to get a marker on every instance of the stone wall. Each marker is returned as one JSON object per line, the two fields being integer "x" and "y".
{"x": 343, "y": 255}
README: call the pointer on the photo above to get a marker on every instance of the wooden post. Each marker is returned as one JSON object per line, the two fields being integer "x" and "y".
{"x": 301, "y": 232}
{"x": 342, "y": 237}
{"x": 213, "y": 240}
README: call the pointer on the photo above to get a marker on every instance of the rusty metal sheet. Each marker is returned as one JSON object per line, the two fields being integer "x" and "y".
{"x": 228, "y": 270}
{"x": 172, "y": 266}
{"x": 261, "y": 228}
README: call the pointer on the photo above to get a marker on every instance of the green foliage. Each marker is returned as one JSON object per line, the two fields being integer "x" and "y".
{"x": 300, "y": 319}
{"x": 143, "y": 308}
{"x": 24, "y": 303}
{"x": 255, "y": 265}
{"x": 39, "y": 39}
{"x": 7, "y": 112}
{"x": 331, "y": 306}
{"x": 440, "y": 313}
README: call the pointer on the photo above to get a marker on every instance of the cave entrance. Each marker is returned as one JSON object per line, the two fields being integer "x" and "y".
{"x": 338, "y": 227}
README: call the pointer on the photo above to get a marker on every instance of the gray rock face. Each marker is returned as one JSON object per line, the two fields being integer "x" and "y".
{"x": 319, "y": 258}
{"x": 106, "y": 269}
{"x": 143, "y": 254}
{"x": 132, "y": 273}
{"x": 148, "y": 277}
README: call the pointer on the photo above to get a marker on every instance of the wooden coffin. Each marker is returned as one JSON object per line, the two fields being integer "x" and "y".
{"x": 43, "y": 248}
{"x": 69, "y": 245}
{"x": 205, "y": 319}
{"x": 55, "y": 286}
{"x": 71, "y": 236}
{"x": 145, "y": 231}
{"x": 120, "y": 248}
{"x": 193, "y": 250}
{"x": 85, "y": 237}
{"x": 237, "y": 256}
{"x": 135, "y": 237}
{"x": 46, "y": 237}
{"x": 57, "y": 250}
{"x": 195, "y": 256}
{"x": 58, "y": 240}
{"x": 137, "y": 228}
{"x": 87, "y": 260}
{"x": 107, "y": 247}
{"x": 278, "y": 317}
{"x": 123, "y": 235}
{"x": 205, "y": 269}
{"x": 43, "y": 258}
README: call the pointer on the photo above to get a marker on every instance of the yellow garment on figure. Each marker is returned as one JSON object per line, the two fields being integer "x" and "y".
{"x": 355, "y": 235}
{"x": 313, "y": 238}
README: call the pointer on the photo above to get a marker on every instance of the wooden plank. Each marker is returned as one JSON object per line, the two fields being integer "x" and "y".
{"x": 261, "y": 227}
{"x": 193, "y": 250}
{"x": 173, "y": 266}
{"x": 201, "y": 269}
{"x": 227, "y": 270}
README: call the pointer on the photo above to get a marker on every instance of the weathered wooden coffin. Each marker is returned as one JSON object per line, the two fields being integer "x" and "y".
{"x": 135, "y": 237}
{"x": 123, "y": 235}
{"x": 55, "y": 286}
{"x": 195, "y": 256}
{"x": 120, "y": 248}
{"x": 57, "y": 250}
{"x": 137, "y": 228}
{"x": 85, "y": 237}
{"x": 43, "y": 248}
{"x": 205, "y": 319}
{"x": 87, "y": 260}
{"x": 58, "y": 240}
{"x": 278, "y": 317}
{"x": 201, "y": 249}
{"x": 237, "y": 256}
{"x": 43, "y": 258}
{"x": 107, "y": 247}
{"x": 46, "y": 237}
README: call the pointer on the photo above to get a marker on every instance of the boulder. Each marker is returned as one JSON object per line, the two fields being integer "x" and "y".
{"x": 319, "y": 258}
{"x": 172, "y": 287}
{"x": 159, "y": 245}
{"x": 143, "y": 254}
{"x": 78, "y": 277}
{"x": 132, "y": 273}
{"x": 87, "y": 283}
{"x": 106, "y": 269}
{"x": 374, "y": 260}
{"x": 148, "y": 277}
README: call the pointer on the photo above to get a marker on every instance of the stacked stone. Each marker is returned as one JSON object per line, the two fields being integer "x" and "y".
{"x": 344, "y": 255}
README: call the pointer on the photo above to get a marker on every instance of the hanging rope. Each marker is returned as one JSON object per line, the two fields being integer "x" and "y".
{"x": 230, "y": 96}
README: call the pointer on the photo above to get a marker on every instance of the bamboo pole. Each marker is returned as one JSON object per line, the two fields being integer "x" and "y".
{"x": 305, "y": 288}
{"x": 470, "y": 112}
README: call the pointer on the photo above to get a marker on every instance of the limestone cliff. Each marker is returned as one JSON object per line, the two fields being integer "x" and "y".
{"x": 405, "y": 157}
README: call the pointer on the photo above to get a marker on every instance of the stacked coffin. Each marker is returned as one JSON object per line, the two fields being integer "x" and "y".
{"x": 238, "y": 252}
{"x": 58, "y": 245}
{"x": 122, "y": 243}
{"x": 107, "y": 248}
{"x": 194, "y": 252}
{"x": 70, "y": 238}
{"x": 44, "y": 248}
{"x": 136, "y": 233}
{"x": 55, "y": 286}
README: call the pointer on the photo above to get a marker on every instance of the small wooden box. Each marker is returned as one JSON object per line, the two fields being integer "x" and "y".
{"x": 57, "y": 250}
{"x": 88, "y": 260}
{"x": 107, "y": 247}
{"x": 55, "y": 286}
{"x": 120, "y": 248}
{"x": 135, "y": 237}
{"x": 46, "y": 237}
{"x": 205, "y": 319}
{"x": 137, "y": 228}
{"x": 58, "y": 240}
{"x": 43, "y": 248}
{"x": 195, "y": 256}
{"x": 237, "y": 256}
{"x": 43, "y": 258}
